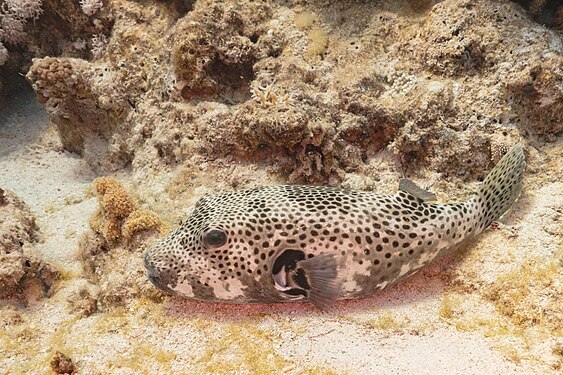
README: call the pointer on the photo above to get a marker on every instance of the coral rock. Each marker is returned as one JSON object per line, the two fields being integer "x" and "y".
{"x": 21, "y": 270}
{"x": 81, "y": 101}
{"x": 537, "y": 96}
{"x": 61, "y": 364}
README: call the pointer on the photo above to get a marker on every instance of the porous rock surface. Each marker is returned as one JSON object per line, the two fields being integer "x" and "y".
{"x": 38, "y": 28}
{"x": 442, "y": 86}
{"x": 21, "y": 269}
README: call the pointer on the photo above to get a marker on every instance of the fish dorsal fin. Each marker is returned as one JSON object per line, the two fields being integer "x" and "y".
{"x": 410, "y": 187}
{"x": 322, "y": 274}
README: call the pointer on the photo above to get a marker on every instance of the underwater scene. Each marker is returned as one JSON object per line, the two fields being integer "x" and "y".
{"x": 281, "y": 187}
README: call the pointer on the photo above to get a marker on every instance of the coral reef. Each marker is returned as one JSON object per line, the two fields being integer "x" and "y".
{"x": 22, "y": 273}
{"x": 316, "y": 96}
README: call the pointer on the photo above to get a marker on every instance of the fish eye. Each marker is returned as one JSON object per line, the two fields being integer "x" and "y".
{"x": 214, "y": 237}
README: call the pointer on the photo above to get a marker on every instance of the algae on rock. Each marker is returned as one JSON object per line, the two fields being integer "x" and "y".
{"x": 23, "y": 274}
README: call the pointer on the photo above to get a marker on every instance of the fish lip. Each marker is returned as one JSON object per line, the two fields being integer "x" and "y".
{"x": 147, "y": 263}
{"x": 154, "y": 276}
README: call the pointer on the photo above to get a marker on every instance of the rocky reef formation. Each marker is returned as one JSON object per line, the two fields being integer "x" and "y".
{"x": 38, "y": 28}
{"x": 547, "y": 12}
{"x": 437, "y": 85}
{"x": 23, "y": 275}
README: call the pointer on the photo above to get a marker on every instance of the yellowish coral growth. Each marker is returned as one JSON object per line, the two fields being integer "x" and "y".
{"x": 319, "y": 41}
{"x": 141, "y": 220}
{"x": 113, "y": 198}
{"x": 119, "y": 216}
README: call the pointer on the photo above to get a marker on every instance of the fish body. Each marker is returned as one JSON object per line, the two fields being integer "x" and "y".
{"x": 294, "y": 242}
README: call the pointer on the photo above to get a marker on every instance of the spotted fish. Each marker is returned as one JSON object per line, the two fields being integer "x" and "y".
{"x": 319, "y": 244}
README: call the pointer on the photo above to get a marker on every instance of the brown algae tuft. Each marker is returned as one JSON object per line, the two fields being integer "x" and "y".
{"x": 318, "y": 41}
{"x": 304, "y": 20}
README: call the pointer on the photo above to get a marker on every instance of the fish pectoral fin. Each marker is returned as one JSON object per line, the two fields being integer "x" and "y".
{"x": 321, "y": 272}
{"x": 408, "y": 186}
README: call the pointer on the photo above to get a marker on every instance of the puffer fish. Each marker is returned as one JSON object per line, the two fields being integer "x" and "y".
{"x": 312, "y": 243}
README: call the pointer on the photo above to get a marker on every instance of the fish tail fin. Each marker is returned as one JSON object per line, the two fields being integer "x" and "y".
{"x": 501, "y": 187}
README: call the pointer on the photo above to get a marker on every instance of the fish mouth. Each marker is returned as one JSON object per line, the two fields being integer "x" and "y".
{"x": 155, "y": 277}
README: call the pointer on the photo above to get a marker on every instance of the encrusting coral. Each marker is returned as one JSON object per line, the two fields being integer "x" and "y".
{"x": 118, "y": 217}
{"x": 54, "y": 78}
